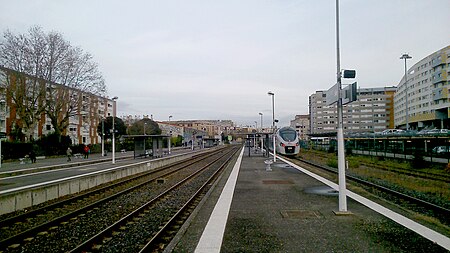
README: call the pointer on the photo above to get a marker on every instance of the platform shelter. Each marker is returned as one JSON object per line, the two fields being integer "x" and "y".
{"x": 145, "y": 148}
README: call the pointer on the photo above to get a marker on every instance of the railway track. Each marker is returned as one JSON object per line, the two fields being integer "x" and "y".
{"x": 416, "y": 204}
{"x": 47, "y": 226}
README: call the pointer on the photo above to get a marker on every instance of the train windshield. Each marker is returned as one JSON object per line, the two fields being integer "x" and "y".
{"x": 288, "y": 135}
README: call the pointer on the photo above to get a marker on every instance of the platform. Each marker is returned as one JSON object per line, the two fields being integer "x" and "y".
{"x": 286, "y": 210}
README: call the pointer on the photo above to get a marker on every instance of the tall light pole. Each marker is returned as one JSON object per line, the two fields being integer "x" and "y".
{"x": 273, "y": 125}
{"x": 114, "y": 131}
{"x": 261, "y": 114}
{"x": 340, "y": 131}
{"x": 103, "y": 136}
{"x": 145, "y": 140}
{"x": 170, "y": 135}
{"x": 405, "y": 57}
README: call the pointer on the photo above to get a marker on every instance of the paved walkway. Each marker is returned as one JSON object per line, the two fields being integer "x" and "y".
{"x": 62, "y": 160}
{"x": 287, "y": 210}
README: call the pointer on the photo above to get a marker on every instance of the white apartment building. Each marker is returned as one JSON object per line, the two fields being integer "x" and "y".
{"x": 371, "y": 112}
{"x": 426, "y": 93}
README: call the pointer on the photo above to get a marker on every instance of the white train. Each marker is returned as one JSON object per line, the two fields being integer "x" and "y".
{"x": 286, "y": 141}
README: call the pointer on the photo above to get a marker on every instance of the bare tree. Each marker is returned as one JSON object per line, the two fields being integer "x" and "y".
{"x": 67, "y": 72}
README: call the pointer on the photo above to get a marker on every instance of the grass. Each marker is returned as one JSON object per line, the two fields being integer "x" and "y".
{"x": 374, "y": 169}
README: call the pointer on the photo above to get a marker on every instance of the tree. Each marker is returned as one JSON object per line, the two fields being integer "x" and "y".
{"x": 60, "y": 74}
{"x": 26, "y": 96}
{"x": 150, "y": 126}
{"x": 120, "y": 127}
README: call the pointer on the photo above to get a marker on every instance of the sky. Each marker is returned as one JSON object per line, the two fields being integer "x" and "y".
{"x": 211, "y": 59}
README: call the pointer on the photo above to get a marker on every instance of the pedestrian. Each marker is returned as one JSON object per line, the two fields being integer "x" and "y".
{"x": 69, "y": 154}
{"x": 86, "y": 152}
{"x": 32, "y": 156}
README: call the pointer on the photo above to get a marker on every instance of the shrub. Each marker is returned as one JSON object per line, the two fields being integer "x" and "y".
{"x": 53, "y": 144}
{"x": 332, "y": 162}
{"x": 15, "y": 150}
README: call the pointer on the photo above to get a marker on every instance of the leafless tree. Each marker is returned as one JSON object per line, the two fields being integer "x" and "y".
{"x": 67, "y": 72}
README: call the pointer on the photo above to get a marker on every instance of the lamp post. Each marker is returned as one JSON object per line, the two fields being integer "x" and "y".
{"x": 273, "y": 125}
{"x": 113, "y": 131}
{"x": 170, "y": 135}
{"x": 340, "y": 131}
{"x": 405, "y": 57}
{"x": 145, "y": 140}
{"x": 103, "y": 136}
{"x": 2, "y": 103}
{"x": 261, "y": 114}
{"x": 255, "y": 138}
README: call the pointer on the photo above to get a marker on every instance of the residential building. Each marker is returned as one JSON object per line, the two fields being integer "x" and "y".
{"x": 81, "y": 127}
{"x": 213, "y": 128}
{"x": 371, "y": 112}
{"x": 301, "y": 124}
{"x": 426, "y": 93}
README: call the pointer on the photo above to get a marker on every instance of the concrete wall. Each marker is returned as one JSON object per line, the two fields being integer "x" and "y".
{"x": 14, "y": 201}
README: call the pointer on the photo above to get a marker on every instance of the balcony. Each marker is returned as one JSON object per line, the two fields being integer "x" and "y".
{"x": 440, "y": 93}
{"x": 439, "y": 76}
{"x": 438, "y": 60}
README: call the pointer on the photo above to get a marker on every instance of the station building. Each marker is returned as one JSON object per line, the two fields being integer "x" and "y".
{"x": 427, "y": 92}
{"x": 87, "y": 112}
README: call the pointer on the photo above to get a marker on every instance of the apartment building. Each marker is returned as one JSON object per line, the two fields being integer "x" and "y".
{"x": 82, "y": 124}
{"x": 211, "y": 127}
{"x": 301, "y": 124}
{"x": 371, "y": 112}
{"x": 426, "y": 93}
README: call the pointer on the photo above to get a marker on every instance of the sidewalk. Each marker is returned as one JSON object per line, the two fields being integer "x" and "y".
{"x": 60, "y": 161}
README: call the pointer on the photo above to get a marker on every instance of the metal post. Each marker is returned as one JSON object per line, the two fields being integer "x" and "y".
{"x": 273, "y": 126}
{"x": 340, "y": 131}
{"x": 170, "y": 135}
{"x": 114, "y": 132}
{"x": 145, "y": 140}
{"x": 262, "y": 140}
{"x": 405, "y": 57}
{"x": 103, "y": 137}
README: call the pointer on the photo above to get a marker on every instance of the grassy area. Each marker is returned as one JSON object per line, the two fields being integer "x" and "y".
{"x": 389, "y": 173}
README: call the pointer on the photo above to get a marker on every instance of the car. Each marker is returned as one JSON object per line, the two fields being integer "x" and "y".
{"x": 441, "y": 150}
{"x": 391, "y": 131}
{"x": 437, "y": 132}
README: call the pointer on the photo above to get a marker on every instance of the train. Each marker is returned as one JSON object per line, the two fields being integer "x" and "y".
{"x": 286, "y": 140}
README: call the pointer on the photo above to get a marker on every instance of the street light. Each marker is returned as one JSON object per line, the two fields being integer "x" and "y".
{"x": 405, "y": 57}
{"x": 145, "y": 140}
{"x": 170, "y": 134}
{"x": 103, "y": 136}
{"x": 113, "y": 131}
{"x": 273, "y": 124}
{"x": 340, "y": 131}
{"x": 261, "y": 114}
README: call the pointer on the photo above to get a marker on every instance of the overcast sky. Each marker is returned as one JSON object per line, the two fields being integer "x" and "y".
{"x": 218, "y": 59}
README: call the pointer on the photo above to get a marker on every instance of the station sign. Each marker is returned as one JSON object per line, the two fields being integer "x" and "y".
{"x": 348, "y": 94}
{"x": 2, "y": 135}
